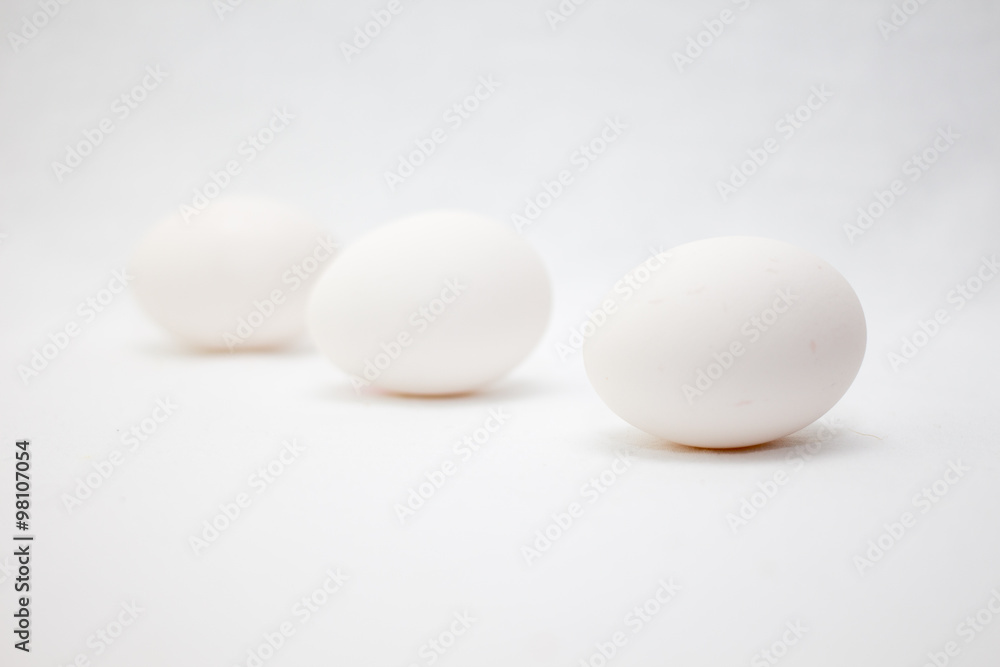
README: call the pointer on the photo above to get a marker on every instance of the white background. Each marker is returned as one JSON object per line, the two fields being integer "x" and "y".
{"x": 666, "y": 517}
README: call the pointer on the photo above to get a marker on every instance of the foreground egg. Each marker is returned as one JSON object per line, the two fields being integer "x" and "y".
{"x": 438, "y": 303}
{"x": 729, "y": 342}
{"x": 234, "y": 276}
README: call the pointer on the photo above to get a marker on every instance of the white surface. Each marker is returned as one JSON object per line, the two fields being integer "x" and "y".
{"x": 655, "y": 185}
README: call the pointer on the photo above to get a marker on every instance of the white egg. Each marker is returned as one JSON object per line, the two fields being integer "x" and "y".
{"x": 438, "y": 303}
{"x": 728, "y": 342}
{"x": 235, "y": 276}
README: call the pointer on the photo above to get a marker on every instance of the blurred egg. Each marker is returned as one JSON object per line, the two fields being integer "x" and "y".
{"x": 729, "y": 342}
{"x": 234, "y": 276}
{"x": 438, "y": 303}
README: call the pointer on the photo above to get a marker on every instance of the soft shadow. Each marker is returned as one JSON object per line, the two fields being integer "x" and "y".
{"x": 171, "y": 349}
{"x": 504, "y": 390}
{"x": 818, "y": 440}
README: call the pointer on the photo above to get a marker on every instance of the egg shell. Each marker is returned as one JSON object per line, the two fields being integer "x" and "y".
{"x": 729, "y": 342}
{"x": 225, "y": 279}
{"x": 443, "y": 302}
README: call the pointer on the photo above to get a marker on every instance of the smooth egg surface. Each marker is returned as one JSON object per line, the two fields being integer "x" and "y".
{"x": 442, "y": 302}
{"x": 733, "y": 341}
{"x": 234, "y": 276}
